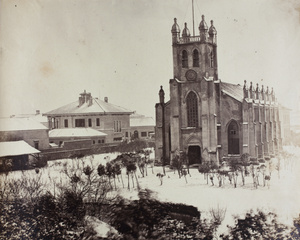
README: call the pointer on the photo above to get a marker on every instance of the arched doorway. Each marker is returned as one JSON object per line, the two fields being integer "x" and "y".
{"x": 194, "y": 155}
{"x": 233, "y": 138}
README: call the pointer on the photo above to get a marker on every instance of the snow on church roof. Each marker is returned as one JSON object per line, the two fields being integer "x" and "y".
{"x": 233, "y": 90}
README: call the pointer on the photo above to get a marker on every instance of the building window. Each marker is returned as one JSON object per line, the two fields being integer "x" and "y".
{"x": 195, "y": 58}
{"x": 233, "y": 138}
{"x": 36, "y": 144}
{"x": 102, "y": 141}
{"x": 94, "y": 141}
{"x": 143, "y": 134}
{"x": 126, "y": 134}
{"x": 150, "y": 134}
{"x": 66, "y": 123}
{"x": 90, "y": 122}
{"x": 184, "y": 59}
{"x": 211, "y": 56}
{"x": 79, "y": 123}
{"x": 117, "y": 126}
{"x": 118, "y": 139}
{"x": 192, "y": 109}
{"x": 98, "y": 122}
{"x": 99, "y": 141}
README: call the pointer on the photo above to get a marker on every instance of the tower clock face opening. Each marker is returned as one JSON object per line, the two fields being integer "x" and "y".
{"x": 191, "y": 75}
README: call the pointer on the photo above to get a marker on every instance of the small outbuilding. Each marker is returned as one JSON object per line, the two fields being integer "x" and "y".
{"x": 15, "y": 155}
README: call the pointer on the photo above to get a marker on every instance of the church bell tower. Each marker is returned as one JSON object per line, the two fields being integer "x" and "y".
{"x": 194, "y": 57}
{"x": 188, "y": 122}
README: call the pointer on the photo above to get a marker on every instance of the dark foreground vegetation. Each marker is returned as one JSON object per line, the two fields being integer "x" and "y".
{"x": 64, "y": 217}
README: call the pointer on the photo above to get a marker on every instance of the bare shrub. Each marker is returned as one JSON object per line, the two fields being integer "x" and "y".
{"x": 217, "y": 214}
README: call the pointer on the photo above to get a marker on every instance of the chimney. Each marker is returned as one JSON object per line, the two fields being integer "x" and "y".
{"x": 37, "y": 112}
{"x": 106, "y": 99}
{"x": 90, "y": 100}
{"x": 85, "y": 98}
{"x": 81, "y": 100}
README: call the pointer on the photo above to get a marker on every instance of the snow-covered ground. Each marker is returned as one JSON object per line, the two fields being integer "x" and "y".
{"x": 281, "y": 197}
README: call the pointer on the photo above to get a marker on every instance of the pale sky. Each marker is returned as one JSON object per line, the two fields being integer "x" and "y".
{"x": 52, "y": 50}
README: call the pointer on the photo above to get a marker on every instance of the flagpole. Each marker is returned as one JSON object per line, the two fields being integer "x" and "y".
{"x": 193, "y": 18}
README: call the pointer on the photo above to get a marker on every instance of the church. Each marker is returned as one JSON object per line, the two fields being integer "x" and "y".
{"x": 208, "y": 119}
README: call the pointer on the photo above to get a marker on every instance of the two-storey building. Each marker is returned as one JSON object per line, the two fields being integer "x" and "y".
{"x": 89, "y": 112}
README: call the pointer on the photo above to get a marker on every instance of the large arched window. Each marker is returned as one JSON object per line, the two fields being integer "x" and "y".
{"x": 195, "y": 58}
{"x": 192, "y": 109}
{"x": 233, "y": 138}
{"x": 184, "y": 59}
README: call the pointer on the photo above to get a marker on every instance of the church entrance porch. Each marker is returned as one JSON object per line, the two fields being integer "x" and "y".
{"x": 194, "y": 155}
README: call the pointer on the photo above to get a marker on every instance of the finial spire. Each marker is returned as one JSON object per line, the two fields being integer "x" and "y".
{"x": 161, "y": 95}
{"x": 245, "y": 84}
{"x": 186, "y": 32}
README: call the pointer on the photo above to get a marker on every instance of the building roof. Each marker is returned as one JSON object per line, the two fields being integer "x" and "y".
{"x": 16, "y": 148}
{"x": 97, "y": 107}
{"x": 233, "y": 90}
{"x": 137, "y": 120}
{"x": 20, "y": 124}
{"x": 37, "y": 117}
{"x": 75, "y": 132}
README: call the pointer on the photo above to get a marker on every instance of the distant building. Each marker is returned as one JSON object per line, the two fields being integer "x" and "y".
{"x": 285, "y": 117}
{"x": 295, "y": 121}
{"x": 89, "y": 112}
{"x": 76, "y": 138}
{"x": 208, "y": 119}
{"x": 32, "y": 132}
{"x": 141, "y": 127}
{"x": 37, "y": 116}
{"x": 295, "y": 126}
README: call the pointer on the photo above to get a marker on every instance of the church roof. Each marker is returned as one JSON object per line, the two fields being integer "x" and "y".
{"x": 97, "y": 107}
{"x": 233, "y": 90}
{"x": 75, "y": 132}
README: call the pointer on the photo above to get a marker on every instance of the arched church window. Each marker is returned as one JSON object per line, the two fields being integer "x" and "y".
{"x": 233, "y": 138}
{"x": 192, "y": 109}
{"x": 195, "y": 58}
{"x": 211, "y": 56}
{"x": 184, "y": 59}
